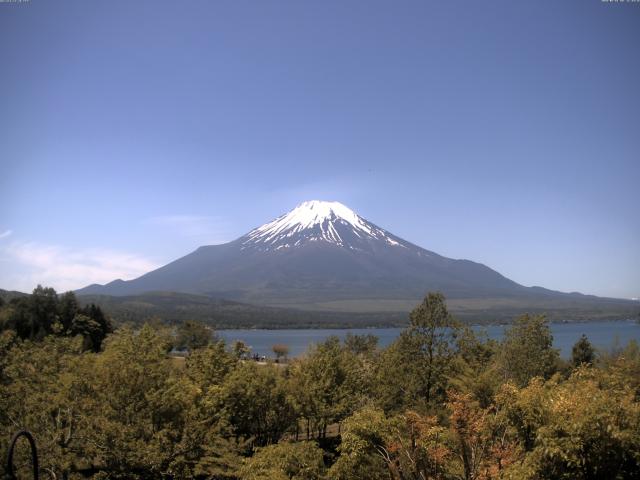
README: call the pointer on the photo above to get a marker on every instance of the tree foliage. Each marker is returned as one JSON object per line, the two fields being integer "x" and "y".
{"x": 327, "y": 385}
{"x": 253, "y": 401}
{"x": 527, "y": 350}
{"x": 45, "y": 313}
{"x": 442, "y": 402}
{"x": 418, "y": 365}
{"x": 285, "y": 461}
{"x": 583, "y": 352}
{"x": 193, "y": 335}
{"x": 281, "y": 350}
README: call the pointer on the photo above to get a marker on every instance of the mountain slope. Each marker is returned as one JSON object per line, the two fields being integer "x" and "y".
{"x": 323, "y": 256}
{"x": 177, "y": 307}
{"x": 174, "y": 307}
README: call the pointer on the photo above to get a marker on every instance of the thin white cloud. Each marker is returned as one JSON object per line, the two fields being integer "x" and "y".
{"x": 63, "y": 268}
{"x": 5, "y": 234}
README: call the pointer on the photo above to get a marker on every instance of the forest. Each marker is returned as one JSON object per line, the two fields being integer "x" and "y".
{"x": 441, "y": 402}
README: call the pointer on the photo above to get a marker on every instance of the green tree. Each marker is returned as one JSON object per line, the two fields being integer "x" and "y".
{"x": 42, "y": 314}
{"x": 253, "y": 400}
{"x": 582, "y": 352}
{"x": 623, "y": 367}
{"x": 68, "y": 308}
{"x": 407, "y": 446}
{"x": 205, "y": 447}
{"x": 15, "y": 317}
{"x": 90, "y": 331}
{"x": 207, "y": 367}
{"x": 327, "y": 385}
{"x": 583, "y": 428}
{"x": 527, "y": 350}
{"x": 361, "y": 344}
{"x": 476, "y": 371}
{"x": 141, "y": 406}
{"x": 193, "y": 335}
{"x": 43, "y": 306}
{"x": 31, "y": 317}
{"x": 240, "y": 349}
{"x": 416, "y": 367}
{"x": 104, "y": 326}
{"x": 285, "y": 461}
{"x": 45, "y": 391}
{"x": 362, "y": 447}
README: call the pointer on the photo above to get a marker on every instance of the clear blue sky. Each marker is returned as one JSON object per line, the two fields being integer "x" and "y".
{"x": 505, "y": 132}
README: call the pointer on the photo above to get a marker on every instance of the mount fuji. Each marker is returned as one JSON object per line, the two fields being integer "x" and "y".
{"x": 324, "y": 256}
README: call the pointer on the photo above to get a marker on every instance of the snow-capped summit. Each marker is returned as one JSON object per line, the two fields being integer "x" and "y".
{"x": 317, "y": 221}
{"x": 315, "y": 212}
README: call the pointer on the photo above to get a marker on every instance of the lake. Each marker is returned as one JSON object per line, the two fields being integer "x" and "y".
{"x": 601, "y": 334}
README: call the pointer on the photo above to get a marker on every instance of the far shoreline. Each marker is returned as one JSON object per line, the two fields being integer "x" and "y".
{"x": 405, "y": 325}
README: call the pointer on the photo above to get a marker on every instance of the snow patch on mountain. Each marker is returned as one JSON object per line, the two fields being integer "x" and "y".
{"x": 314, "y": 221}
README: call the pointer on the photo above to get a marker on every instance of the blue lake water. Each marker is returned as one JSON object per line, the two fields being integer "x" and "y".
{"x": 602, "y": 335}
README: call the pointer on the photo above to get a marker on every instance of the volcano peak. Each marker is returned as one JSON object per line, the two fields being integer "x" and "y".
{"x": 317, "y": 221}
